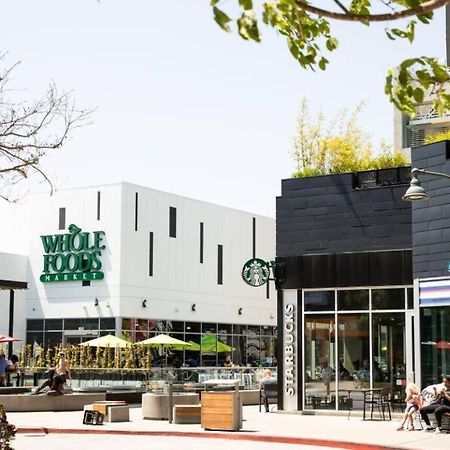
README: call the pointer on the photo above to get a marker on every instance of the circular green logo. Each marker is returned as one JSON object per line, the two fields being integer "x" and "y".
{"x": 255, "y": 272}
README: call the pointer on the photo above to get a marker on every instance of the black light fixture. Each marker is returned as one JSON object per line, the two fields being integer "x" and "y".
{"x": 240, "y": 311}
{"x": 193, "y": 307}
{"x": 144, "y": 303}
{"x": 96, "y": 302}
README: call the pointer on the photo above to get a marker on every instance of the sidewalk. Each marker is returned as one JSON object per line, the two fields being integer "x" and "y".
{"x": 260, "y": 426}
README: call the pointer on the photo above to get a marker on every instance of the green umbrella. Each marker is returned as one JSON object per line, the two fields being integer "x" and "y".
{"x": 210, "y": 344}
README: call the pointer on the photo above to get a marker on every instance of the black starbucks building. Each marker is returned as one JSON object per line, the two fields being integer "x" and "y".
{"x": 364, "y": 299}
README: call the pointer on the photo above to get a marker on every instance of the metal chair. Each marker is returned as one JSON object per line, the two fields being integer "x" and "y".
{"x": 266, "y": 392}
{"x": 380, "y": 399}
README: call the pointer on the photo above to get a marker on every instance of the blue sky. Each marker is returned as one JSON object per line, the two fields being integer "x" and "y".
{"x": 184, "y": 107}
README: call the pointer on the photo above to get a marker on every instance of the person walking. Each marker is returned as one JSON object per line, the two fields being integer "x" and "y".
{"x": 441, "y": 406}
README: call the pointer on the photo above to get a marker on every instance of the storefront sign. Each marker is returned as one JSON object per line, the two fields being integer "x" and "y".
{"x": 256, "y": 272}
{"x": 289, "y": 349}
{"x": 74, "y": 256}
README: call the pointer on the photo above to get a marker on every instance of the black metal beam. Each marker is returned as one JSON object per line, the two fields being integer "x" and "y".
{"x": 11, "y": 284}
{"x": 11, "y": 320}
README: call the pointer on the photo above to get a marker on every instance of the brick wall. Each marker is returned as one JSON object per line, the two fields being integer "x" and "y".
{"x": 327, "y": 215}
{"x": 431, "y": 218}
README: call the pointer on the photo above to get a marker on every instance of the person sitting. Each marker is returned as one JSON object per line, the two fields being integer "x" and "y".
{"x": 266, "y": 379}
{"x": 57, "y": 387}
{"x": 344, "y": 374}
{"x": 13, "y": 368}
{"x": 228, "y": 362}
{"x": 439, "y": 405}
{"x": 413, "y": 403}
{"x": 54, "y": 383}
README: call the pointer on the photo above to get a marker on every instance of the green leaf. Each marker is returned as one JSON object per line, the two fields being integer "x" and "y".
{"x": 248, "y": 26}
{"x": 214, "y": 2}
{"x": 246, "y": 4}
{"x": 221, "y": 19}
{"x": 418, "y": 95}
{"x": 323, "y": 64}
{"x": 332, "y": 44}
{"x": 440, "y": 73}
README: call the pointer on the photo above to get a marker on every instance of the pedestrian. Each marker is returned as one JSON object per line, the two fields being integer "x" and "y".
{"x": 63, "y": 367}
{"x": 3, "y": 366}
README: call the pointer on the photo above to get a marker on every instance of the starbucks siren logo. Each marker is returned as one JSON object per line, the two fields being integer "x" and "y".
{"x": 255, "y": 272}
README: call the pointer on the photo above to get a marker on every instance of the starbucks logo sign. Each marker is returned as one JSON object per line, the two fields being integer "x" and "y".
{"x": 74, "y": 256}
{"x": 256, "y": 272}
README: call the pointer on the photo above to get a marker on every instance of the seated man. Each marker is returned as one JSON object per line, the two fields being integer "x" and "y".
{"x": 440, "y": 406}
{"x": 267, "y": 378}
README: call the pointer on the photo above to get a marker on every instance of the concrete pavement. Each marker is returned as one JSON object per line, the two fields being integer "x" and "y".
{"x": 278, "y": 428}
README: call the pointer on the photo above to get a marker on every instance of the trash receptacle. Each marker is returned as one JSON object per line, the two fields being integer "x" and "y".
{"x": 221, "y": 405}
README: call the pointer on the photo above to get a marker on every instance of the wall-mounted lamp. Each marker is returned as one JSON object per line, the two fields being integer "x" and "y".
{"x": 144, "y": 303}
{"x": 240, "y": 311}
{"x": 96, "y": 302}
{"x": 415, "y": 190}
{"x": 193, "y": 307}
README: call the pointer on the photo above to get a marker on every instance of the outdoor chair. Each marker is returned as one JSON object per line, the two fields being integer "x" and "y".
{"x": 266, "y": 392}
{"x": 379, "y": 399}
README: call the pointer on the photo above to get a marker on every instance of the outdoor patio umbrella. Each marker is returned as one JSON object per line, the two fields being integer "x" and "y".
{"x": 165, "y": 341}
{"x": 4, "y": 338}
{"x": 209, "y": 344}
{"x": 107, "y": 341}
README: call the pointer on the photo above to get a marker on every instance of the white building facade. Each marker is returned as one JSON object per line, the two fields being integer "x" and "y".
{"x": 170, "y": 264}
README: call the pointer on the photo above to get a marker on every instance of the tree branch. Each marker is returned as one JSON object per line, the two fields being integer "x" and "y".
{"x": 424, "y": 8}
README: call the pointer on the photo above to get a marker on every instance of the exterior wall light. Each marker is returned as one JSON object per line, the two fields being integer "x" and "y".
{"x": 144, "y": 303}
{"x": 240, "y": 311}
{"x": 96, "y": 302}
{"x": 193, "y": 307}
{"x": 415, "y": 191}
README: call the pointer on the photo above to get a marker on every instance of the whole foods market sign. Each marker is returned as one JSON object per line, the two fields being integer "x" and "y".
{"x": 74, "y": 256}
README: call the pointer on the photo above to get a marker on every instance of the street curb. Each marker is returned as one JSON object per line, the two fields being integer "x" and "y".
{"x": 212, "y": 435}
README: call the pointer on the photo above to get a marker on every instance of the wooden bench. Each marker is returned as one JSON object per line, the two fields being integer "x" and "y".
{"x": 187, "y": 413}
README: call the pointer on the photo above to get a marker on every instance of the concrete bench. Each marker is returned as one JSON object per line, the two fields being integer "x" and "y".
{"x": 67, "y": 402}
{"x": 113, "y": 411}
{"x": 187, "y": 414}
{"x": 155, "y": 406}
{"x": 14, "y": 390}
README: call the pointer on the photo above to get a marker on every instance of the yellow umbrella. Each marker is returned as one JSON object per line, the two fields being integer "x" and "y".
{"x": 107, "y": 341}
{"x": 164, "y": 341}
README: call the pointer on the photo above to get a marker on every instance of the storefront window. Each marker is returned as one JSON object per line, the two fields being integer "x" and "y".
{"x": 389, "y": 364}
{"x": 388, "y": 298}
{"x": 35, "y": 324}
{"x": 435, "y": 343}
{"x": 353, "y": 300}
{"x": 108, "y": 323}
{"x": 192, "y": 327}
{"x": 319, "y": 301}
{"x": 53, "y": 324}
{"x": 320, "y": 365}
{"x": 353, "y": 356}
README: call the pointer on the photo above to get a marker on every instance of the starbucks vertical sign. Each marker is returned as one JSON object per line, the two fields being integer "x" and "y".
{"x": 73, "y": 256}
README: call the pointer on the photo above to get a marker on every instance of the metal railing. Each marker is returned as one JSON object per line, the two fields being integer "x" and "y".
{"x": 157, "y": 377}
